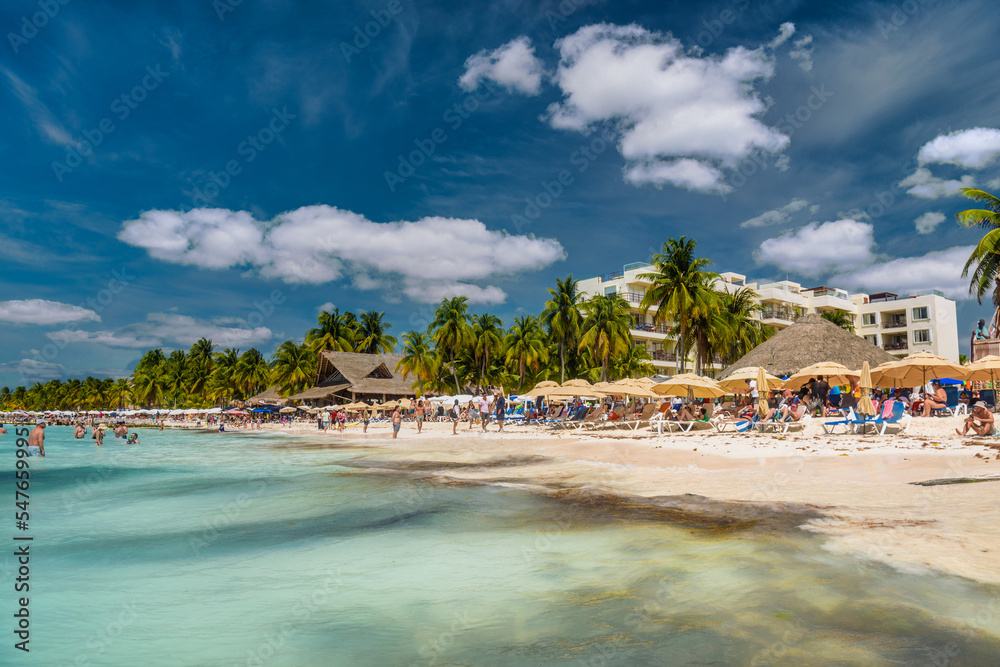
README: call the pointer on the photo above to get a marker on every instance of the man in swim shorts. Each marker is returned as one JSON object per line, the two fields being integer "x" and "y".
{"x": 980, "y": 421}
{"x": 397, "y": 421}
{"x": 36, "y": 440}
{"x": 420, "y": 415}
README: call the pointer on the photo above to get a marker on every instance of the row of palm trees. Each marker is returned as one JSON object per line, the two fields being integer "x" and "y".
{"x": 573, "y": 337}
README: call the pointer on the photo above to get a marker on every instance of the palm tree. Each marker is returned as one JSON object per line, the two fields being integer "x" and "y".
{"x": 606, "y": 328}
{"x": 335, "y": 332}
{"x": 120, "y": 393}
{"x": 293, "y": 367}
{"x": 6, "y": 399}
{"x": 450, "y": 330}
{"x": 418, "y": 358}
{"x": 252, "y": 373}
{"x": 222, "y": 385}
{"x": 681, "y": 289}
{"x": 175, "y": 375}
{"x": 742, "y": 330}
{"x": 372, "y": 338}
{"x": 487, "y": 339}
{"x": 986, "y": 254}
{"x": 525, "y": 345}
{"x": 147, "y": 387}
{"x": 635, "y": 362}
{"x": 561, "y": 316}
{"x": 839, "y": 317}
{"x": 200, "y": 364}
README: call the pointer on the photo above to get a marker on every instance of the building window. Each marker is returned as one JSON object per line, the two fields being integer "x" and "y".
{"x": 608, "y": 291}
{"x": 920, "y": 314}
{"x": 922, "y": 335}
{"x": 873, "y": 339}
{"x": 868, "y": 319}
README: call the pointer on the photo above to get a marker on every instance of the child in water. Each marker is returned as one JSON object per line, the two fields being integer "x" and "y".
{"x": 133, "y": 439}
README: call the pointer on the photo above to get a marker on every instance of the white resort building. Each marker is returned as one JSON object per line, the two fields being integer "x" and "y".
{"x": 920, "y": 322}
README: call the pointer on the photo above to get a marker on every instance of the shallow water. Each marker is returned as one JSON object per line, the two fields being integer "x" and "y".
{"x": 209, "y": 549}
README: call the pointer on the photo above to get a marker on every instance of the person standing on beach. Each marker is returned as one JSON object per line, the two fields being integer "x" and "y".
{"x": 420, "y": 413}
{"x": 397, "y": 421}
{"x": 365, "y": 417}
{"x": 820, "y": 391}
{"x": 36, "y": 440}
{"x": 454, "y": 418}
{"x": 472, "y": 410}
{"x": 501, "y": 407}
{"x": 484, "y": 410}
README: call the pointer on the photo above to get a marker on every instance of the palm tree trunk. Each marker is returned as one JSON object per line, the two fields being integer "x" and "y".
{"x": 454, "y": 374}
{"x": 562, "y": 360}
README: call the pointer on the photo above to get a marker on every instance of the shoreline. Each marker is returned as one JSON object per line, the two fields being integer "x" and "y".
{"x": 858, "y": 493}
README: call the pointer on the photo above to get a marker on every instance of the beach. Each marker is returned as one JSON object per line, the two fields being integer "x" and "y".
{"x": 858, "y": 492}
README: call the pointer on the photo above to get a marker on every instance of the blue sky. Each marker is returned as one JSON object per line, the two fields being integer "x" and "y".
{"x": 178, "y": 169}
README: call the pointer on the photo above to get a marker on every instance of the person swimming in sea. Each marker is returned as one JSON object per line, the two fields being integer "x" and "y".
{"x": 133, "y": 439}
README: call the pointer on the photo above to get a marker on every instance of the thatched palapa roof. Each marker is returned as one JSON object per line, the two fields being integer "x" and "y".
{"x": 269, "y": 396}
{"x": 351, "y": 375}
{"x": 811, "y": 339}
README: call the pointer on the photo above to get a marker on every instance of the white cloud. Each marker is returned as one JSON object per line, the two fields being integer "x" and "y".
{"x": 684, "y": 173}
{"x": 994, "y": 184}
{"x": 513, "y": 65}
{"x": 326, "y": 307}
{"x": 40, "y": 311}
{"x": 161, "y": 329}
{"x": 922, "y": 183}
{"x": 785, "y": 31}
{"x": 666, "y": 102}
{"x": 45, "y": 121}
{"x": 820, "y": 248}
{"x": 940, "y": 270}
{"x": 927, "y": 222}
{"x": 433, "y": 293}
{"x": 32, "y": 370}
{"x": 802, "y": 53}
{"x": 776, "y": 216}
{"x": 975, "y": 148}
{"x": 320, "y": 244}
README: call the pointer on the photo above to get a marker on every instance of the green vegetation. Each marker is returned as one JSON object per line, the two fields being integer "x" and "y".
{"x": 573, "y": 337}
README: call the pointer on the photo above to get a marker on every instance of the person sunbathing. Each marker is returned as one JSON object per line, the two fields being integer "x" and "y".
{"x": 936, "y": 400}
{"x": 793, "y": 411}
{"x": 980, "y": 421}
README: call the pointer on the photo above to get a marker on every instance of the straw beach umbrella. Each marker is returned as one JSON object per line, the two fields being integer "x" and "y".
{"x": 865, "y": 406}
{"x": 737, "y": 382}
{"x": 762, "y": 389}
{"x": 916, "y": 367}
{"x": 879, "y": 377}
{"x": 835, "y": 374}
{"x": 628, "y": 387}
{"x": 541, "y": 389}
{"x": 691, "y": 385}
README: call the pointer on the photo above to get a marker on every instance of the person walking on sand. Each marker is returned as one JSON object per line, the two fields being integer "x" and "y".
{"x": 397, "y": 421}
{"x": 36, "y": 440}
{"x": 500, "y": 404}
{"x": 365, "y": 418}
{"x": 472, "y": 410}
{"x": 980, "y": 421}
{"x": 454, "y": 418}
{"x": 420, "y": 415}
{"x": 484, "y": 410}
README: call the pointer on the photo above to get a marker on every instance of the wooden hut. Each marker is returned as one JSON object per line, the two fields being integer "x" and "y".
{"x": 810, "y": 340}
{"x": 346, "y": 377}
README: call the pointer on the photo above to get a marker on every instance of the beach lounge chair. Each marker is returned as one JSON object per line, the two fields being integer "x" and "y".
{"x": 687, "y": 426}
{"x": 783, "y": 425}
{"x": 989, "y": 397}
{"x": 881, "y": 424}
{"x": 574, "y": 417}
{"x": 735, "y": 425}
{"x": 642, "y": 419}
{"x": 830, "y": 427}
{"x": 952, "y": 407}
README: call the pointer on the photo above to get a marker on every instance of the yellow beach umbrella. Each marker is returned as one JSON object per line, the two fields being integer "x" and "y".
{"x": 541, "y": 389}
{"x": 865, "y": 406}
{"x": 833, "y": 373}
{"x": 879, "y": 376}
{"x": 628, "y": 387}
{"x": 986, "y": 369}
{"x": 689, "y": 384}
{"x": 916, "y": 368}
{"x": 762, "y": 389}
{"x": 736, "y": 382}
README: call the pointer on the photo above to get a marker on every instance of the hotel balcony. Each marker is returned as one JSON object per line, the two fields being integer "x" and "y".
{"x": 608, "y": 277}
{"x": 632, "y": 297}
{"x": 898, "y": 345}
{"x": 660, "y": 355}
{"x": 780, "y": 315}
{"x": 898, "y": 323}
{"x": 650, "y": 331}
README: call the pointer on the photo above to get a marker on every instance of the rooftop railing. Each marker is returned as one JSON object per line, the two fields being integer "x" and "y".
{"x": 614, "y": 275}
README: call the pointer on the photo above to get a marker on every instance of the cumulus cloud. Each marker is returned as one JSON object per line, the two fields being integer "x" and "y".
{"x": 326, "y": 307}
{"x": 684, "y": 173}
{"x": 160, "y": 329}
{"x": 513, "y": 65}
{"x": 820, "y": 248}
{"x": 802, "y": 53}
{"x": 776, "y": 216}
{"x": 674, "y": 108}
{"x": 926, "y": 223}
{"x": 320, "y": 244}
{"x": 975, "y": 148}
{"x": 922, "y": 183}
{"x": 33, "y": 370}
{"x": 940, "y": 270}
{"x": 40, "y": 311}
{"x": 433, "y": 293}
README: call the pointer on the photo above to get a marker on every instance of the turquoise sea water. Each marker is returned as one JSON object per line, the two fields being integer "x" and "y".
{"x": 210, "y": 549}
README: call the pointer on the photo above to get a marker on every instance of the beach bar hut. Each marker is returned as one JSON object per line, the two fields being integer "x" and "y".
{"x": 809, "y": 341}
{"x": 348, "y": 377}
